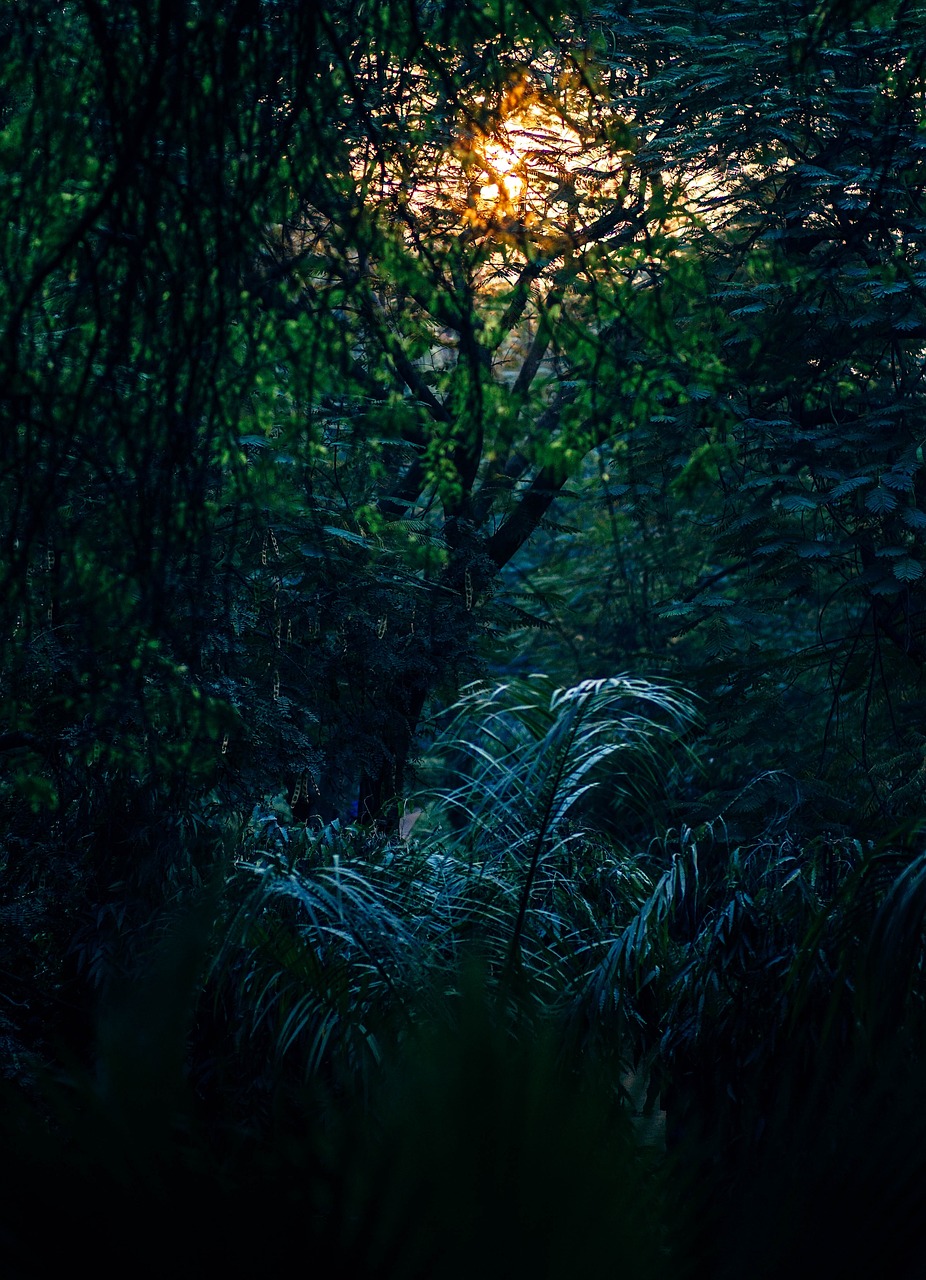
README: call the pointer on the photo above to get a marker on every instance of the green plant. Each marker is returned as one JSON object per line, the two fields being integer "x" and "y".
{"x": 530, "y": 754}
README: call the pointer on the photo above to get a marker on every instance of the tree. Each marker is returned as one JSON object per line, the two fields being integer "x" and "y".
{"x": 481, "y": 252}
{"x": 818, "y": 265}
{"x": 796, "y": 461}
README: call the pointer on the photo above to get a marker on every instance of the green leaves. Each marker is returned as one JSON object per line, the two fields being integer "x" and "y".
{"x": 880, "y": 500}
{"x": 907, "y": 570}
{"x": 535, "y": 750}
{"x": 532, "y": 754}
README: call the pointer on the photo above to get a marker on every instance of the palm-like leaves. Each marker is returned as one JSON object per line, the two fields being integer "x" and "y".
{"x": 531, "y": 753}
{"x": 340, "y": 934}
{"x": 346, "y": 940}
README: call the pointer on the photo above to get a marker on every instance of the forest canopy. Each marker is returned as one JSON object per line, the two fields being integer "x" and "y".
{"x": 311, "y": 323}
{"x": 500, "y": 418}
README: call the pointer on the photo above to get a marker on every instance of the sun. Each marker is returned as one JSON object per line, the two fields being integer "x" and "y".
{"x": 506, "y": 170}
{"x": 529, "y": 163}
{"x": 534, "y": 164}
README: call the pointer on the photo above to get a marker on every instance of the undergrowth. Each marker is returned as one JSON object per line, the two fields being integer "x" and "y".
{"x": 397, "y": 1049}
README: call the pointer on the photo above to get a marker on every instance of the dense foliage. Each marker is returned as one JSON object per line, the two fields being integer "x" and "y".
{"x": 462, "y": 632}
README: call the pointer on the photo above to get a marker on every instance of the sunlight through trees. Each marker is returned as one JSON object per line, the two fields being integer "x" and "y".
{"x": 462, "y": 511}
